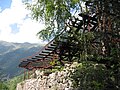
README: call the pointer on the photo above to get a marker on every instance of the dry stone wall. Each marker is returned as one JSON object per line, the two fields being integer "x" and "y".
{"x": 58, "y": 80}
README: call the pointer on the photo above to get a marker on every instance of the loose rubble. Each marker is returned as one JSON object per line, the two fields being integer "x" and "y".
{"x": 58, "y": 80}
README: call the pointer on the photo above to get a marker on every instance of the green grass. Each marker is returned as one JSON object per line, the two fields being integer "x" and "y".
{"x": 11, "y": 84}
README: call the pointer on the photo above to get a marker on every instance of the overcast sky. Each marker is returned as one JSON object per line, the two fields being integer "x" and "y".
{"x": 15, "y": 26}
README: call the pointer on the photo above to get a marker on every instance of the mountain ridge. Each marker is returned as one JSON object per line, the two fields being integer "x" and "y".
{"x": 11, "y": 54}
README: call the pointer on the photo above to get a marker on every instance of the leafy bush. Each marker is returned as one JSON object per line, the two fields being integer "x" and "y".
{"x": 3, "y": 86}
{"x": 12, "y": 83}
{"x": 90, "y": 76}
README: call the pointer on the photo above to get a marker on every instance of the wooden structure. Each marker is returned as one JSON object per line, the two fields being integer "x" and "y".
{"x": 65, "y": 46}
{"x": 60, "y": 47}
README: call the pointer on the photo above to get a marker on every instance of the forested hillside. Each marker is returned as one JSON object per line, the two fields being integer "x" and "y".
{"x": 10, "y": 55}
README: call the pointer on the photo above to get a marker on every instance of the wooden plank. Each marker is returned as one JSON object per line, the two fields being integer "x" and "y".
{"x": 23, "y": 63}
{"x": 43, "y": 54}
{"x": 53, "y": 45}
{"x": 31, "y": 60}
{"x": 40, "y": 56}
{"x": 49, "y": 49}
{"x": 46, "y": 51}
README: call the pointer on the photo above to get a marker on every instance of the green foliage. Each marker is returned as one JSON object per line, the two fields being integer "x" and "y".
{"x": 53, "y": 13}
{"x": 55, "y": 63}
{"x": 12, "y": 83}
{"x": 98, "y": 50}
{"x": 90, "y": 76}
{"x": 3, "y": 86}
{"x": 56, "y": 68}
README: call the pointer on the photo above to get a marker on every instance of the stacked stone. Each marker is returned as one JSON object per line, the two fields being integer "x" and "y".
{"x": 58, "y": 80}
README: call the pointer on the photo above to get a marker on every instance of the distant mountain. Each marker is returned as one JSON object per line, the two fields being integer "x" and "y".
{"x": 12, "y": 53}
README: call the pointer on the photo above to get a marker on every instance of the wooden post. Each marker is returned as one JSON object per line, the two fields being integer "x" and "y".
{"x": 24, "y": 74}
{"x": 34, "y": 74}
{"x": 28, "y": 74}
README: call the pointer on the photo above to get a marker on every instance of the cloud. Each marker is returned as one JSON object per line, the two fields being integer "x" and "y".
{"x": 17, "y": 14}
{"x": 0, "y": 9}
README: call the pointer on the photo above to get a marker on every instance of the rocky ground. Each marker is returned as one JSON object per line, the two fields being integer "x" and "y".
{"x": 58, "y": 80}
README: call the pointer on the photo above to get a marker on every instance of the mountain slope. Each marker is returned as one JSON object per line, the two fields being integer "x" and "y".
{"x": 11, "y": 53}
